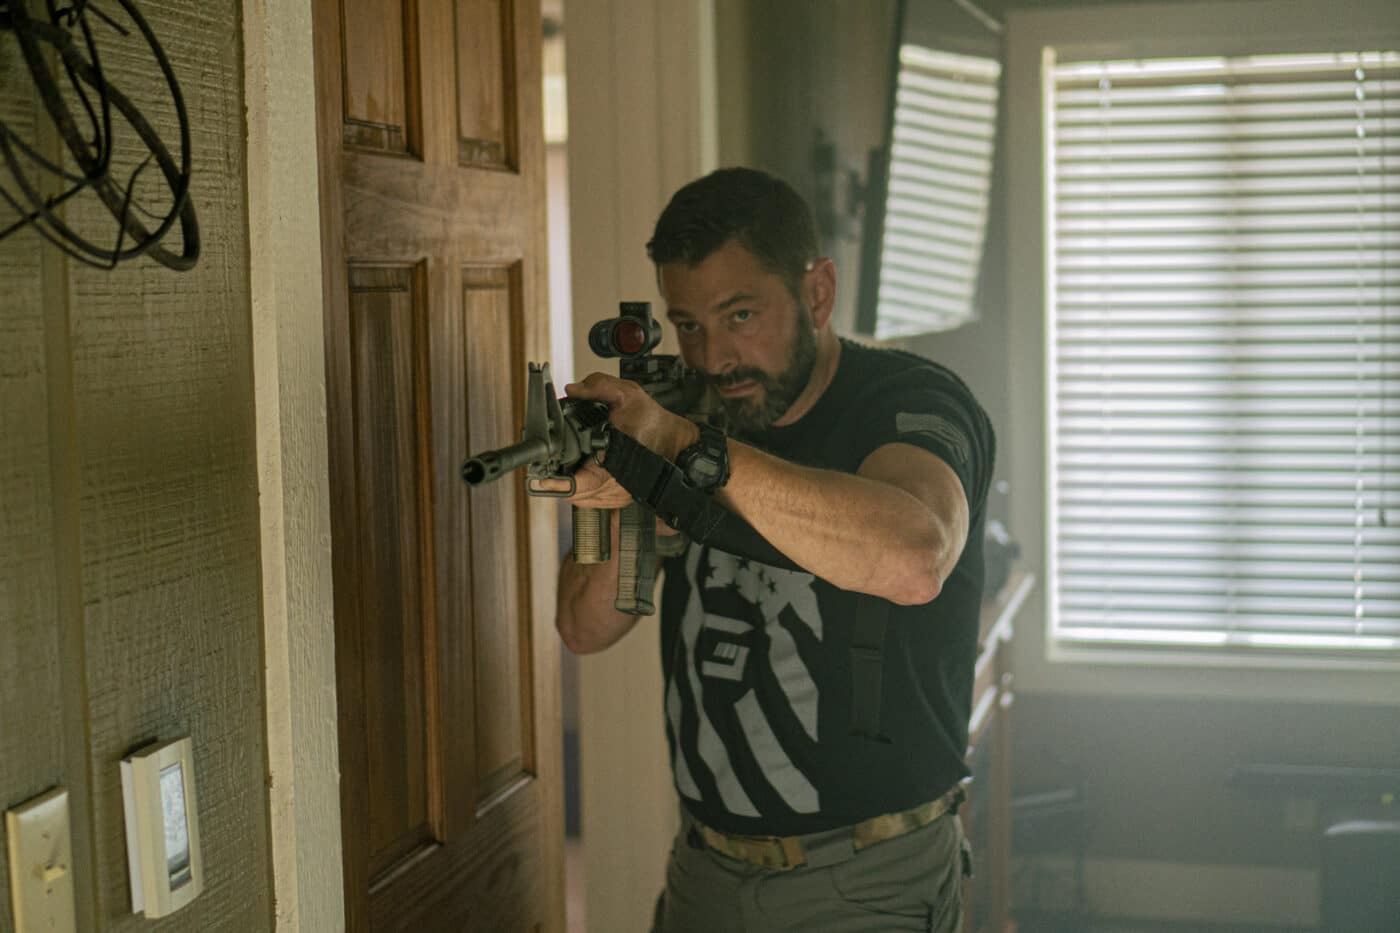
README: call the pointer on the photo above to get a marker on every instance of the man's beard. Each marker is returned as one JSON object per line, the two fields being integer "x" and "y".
{"x": 748, "y": 414}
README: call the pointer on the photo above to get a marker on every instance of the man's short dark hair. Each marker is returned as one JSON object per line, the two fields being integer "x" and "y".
{"x": 764, "y": 213}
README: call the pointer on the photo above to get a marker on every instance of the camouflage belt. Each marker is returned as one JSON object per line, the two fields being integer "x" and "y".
{"x": 781, "y": 853}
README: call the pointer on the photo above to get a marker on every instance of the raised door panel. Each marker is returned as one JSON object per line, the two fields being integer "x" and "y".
{"x": 378, "y": 52}
{"x": 385, "y": 307}
{"x": 484, "y": 34}
{"x": 495, "y": 883}
{"x": 490, "y": 303}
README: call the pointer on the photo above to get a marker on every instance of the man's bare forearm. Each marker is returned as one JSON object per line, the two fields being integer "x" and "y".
{"x": 587, "y": 619}
{"x": 857, "y": 533}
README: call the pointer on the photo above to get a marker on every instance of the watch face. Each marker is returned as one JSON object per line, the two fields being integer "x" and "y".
{"x": 703, "y": 471}
{"x": 706, "y": 463}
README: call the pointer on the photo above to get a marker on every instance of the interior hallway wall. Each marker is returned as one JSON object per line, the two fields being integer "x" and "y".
{"x": 1157, "y": 777}
{"x": 129, "y": 577}
{"x": 641, "y": 124}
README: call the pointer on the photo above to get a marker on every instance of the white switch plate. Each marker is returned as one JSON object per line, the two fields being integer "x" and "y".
{"x": 41, "y": 864}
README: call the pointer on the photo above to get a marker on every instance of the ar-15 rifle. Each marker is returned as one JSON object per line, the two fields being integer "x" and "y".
{"x": 560, "y": 433}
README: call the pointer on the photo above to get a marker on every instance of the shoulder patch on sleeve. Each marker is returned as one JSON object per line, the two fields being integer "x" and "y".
{"x": 939, "y": 429}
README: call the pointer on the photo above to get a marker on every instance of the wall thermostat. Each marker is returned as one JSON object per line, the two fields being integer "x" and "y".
{"x": 162, "y": 827}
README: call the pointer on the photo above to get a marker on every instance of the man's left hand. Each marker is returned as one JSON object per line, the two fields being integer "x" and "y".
{"x": 637, "y": 414}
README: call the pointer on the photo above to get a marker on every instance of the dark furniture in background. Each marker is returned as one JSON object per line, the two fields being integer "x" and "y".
{"x": 1360, "y": 844}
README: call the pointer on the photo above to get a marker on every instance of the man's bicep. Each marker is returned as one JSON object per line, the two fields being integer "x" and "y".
{"x": 928, "y": 478}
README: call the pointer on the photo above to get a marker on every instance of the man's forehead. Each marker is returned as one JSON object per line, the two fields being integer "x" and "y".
{"x": 727, "y": 276}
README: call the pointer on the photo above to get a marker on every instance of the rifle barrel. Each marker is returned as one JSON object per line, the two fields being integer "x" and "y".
{"x": 493, "y": 464}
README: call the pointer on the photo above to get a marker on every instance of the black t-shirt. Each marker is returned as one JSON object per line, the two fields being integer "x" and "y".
{"x": 757, "y": 659}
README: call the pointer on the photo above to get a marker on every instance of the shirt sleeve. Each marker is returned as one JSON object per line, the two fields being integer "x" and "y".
{"x": 934, "y": 411}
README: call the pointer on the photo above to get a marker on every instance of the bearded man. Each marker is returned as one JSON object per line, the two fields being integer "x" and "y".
{"x": 819, "y": 628}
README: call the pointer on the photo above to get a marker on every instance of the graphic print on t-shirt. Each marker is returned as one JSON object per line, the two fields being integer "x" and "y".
{"x": 737, "y": 630}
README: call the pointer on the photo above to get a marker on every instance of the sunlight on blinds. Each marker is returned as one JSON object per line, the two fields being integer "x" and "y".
{"x": 1225, "y": 352}
{"x": 940, "y": 170}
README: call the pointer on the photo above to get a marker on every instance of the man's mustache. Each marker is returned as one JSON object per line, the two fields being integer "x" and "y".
{"x": 737, "y": 376}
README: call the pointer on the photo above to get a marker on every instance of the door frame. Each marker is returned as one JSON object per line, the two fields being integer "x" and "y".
{"x": 284, "y": 233}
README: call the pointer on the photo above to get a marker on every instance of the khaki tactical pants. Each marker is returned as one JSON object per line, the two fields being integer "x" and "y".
{"x": 912, "y": 882}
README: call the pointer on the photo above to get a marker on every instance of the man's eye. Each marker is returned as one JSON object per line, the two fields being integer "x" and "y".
{"x": 741, "y": 316}
{"x": 687, "y": 328}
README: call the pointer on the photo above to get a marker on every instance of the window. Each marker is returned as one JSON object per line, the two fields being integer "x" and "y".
{"x": 1223, "y": 353}
{"x": 935, "y": 214}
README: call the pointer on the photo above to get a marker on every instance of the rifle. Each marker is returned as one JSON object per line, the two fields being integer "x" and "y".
{"x": 560, "y": 433}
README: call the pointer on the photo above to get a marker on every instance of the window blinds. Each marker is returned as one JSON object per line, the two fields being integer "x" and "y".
{"x": 936, "y": 209}
{"x": 1225, "y": 353}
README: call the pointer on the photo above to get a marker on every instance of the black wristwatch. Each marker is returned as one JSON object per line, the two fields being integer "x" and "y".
{"x": 705, "y": 464}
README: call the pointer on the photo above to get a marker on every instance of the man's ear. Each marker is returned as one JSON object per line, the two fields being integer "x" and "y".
{"x": 819, "y": 290}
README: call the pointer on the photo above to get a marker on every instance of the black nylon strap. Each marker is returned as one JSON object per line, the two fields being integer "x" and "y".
{"x": 658, "y": 482}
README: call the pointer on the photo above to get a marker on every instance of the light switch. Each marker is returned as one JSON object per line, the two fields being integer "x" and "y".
{"x": 41, "y": 864}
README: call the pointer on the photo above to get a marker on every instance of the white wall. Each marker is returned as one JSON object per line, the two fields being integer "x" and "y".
{"x": 641, "y": 124}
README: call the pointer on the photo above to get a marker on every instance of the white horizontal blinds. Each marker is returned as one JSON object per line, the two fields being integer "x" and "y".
{"x": 1226, "y": 353}
{"x": 936, "y": 209}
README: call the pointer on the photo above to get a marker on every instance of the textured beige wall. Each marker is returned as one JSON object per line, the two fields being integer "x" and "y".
{"x": 129, "y": 578}
{"x": 31, "y": 711}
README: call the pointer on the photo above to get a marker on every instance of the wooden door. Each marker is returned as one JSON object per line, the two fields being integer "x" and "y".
{"x": 432, "y": 174}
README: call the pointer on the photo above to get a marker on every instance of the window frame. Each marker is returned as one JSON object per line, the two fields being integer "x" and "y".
{"x": 1185, "y": 29}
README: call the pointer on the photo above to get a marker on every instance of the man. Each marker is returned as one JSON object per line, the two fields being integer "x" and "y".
{"x": 818, "y": 664}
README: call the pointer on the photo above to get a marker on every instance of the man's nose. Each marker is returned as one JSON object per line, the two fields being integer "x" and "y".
{"x": 719, "y": 354}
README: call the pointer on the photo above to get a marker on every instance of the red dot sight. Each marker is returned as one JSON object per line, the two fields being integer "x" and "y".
{"x": 633, "y": 333}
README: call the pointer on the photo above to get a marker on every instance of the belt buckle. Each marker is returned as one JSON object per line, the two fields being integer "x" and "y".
{"x": 775, "y": 853}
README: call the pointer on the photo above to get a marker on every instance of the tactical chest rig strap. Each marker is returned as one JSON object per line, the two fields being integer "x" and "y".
{"x": 656, "y": 481}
